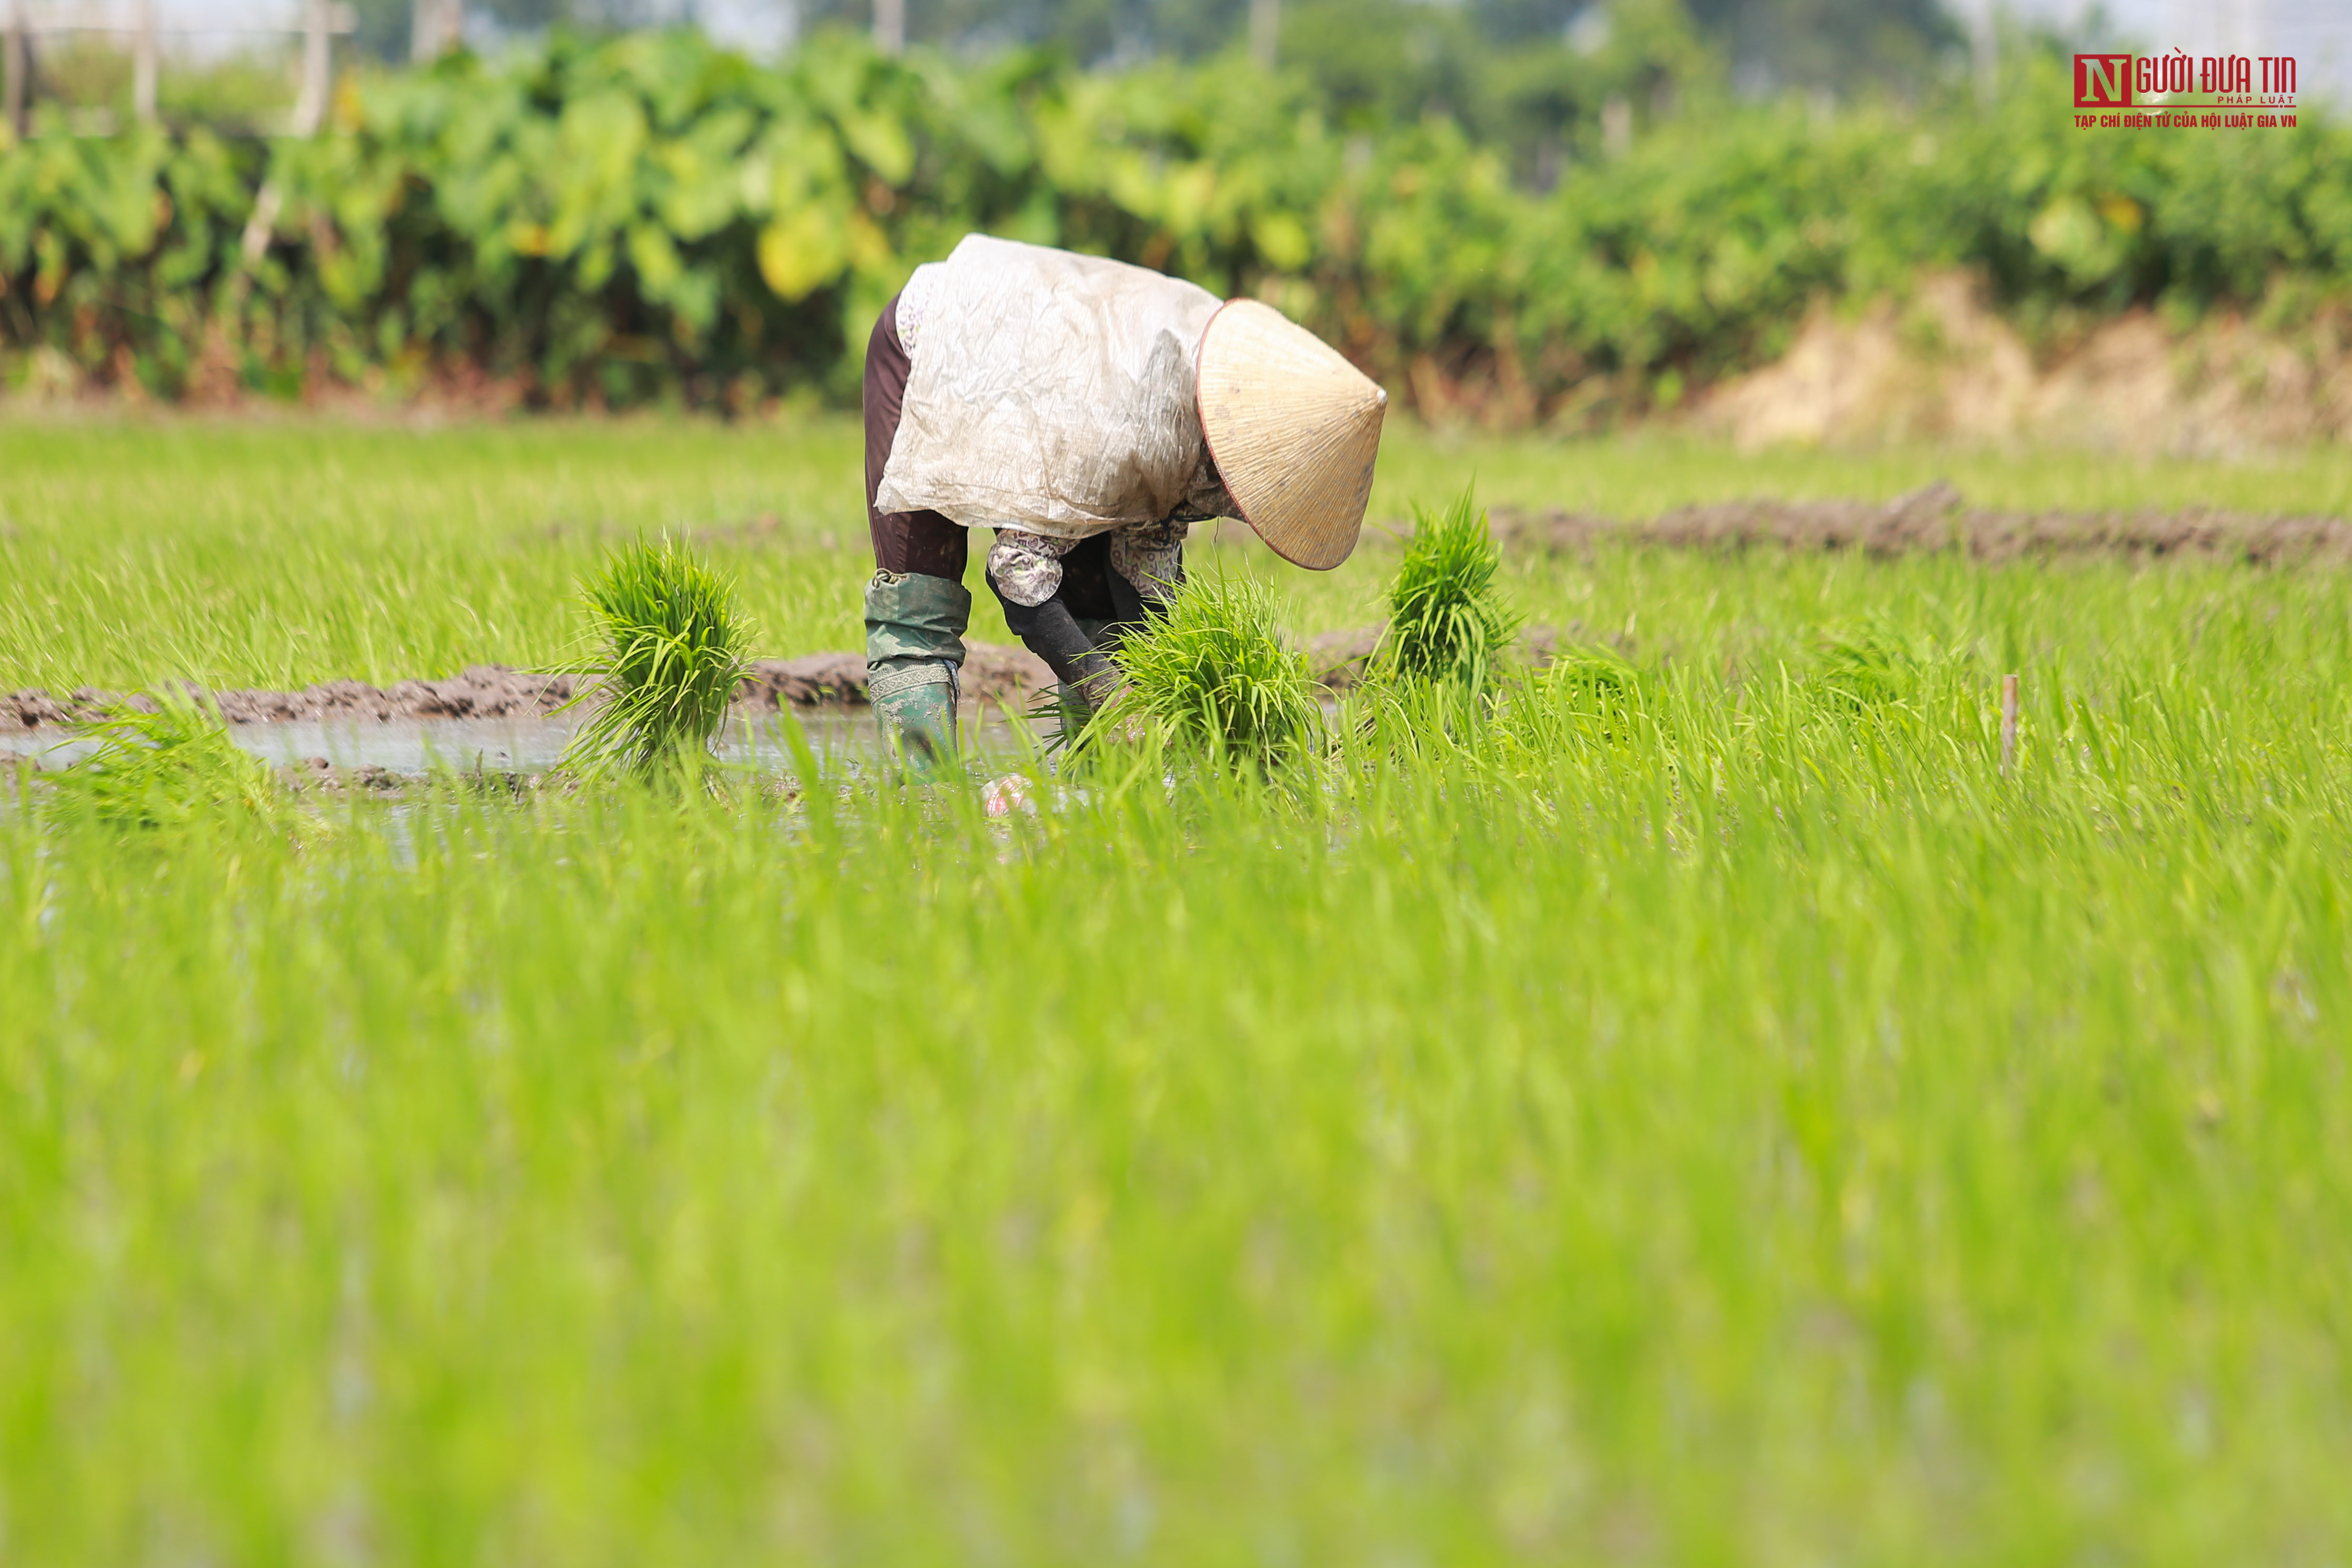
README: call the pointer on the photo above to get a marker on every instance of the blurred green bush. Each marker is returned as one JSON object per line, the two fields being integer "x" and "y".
{"x": 650, "y": 219}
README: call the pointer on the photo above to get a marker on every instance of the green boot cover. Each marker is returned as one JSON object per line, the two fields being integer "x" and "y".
{"x": 914, "y": 646}
{"x": 915, "y": 707}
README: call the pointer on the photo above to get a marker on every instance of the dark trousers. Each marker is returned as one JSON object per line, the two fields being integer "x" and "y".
{"x": 903, "y": 541}
{"x": 1094, "y": 608}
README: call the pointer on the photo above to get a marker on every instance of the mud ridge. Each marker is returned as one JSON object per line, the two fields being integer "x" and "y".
{"x": 1935, "y": 518}
{"x": 494, "y": 690}
{"x": 992, "y": 673}
{"x": 484, "y": 690}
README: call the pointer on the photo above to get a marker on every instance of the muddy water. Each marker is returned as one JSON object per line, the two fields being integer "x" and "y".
{"x": 526, "y": 745}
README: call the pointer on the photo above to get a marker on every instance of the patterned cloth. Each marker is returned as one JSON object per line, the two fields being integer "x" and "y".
{"x": 1028, "y": 567}
{"x": 1151, "y": 556}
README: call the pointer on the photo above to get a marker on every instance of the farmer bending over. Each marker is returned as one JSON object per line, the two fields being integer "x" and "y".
{"x": 1090, "y": 413}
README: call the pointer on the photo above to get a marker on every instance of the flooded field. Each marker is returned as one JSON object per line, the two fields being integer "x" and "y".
{"x": 412, "y": 746}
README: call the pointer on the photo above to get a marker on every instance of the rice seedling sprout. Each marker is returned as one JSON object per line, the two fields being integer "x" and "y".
{"x": 1210, "y": 673}
{"x": 1447, "y": 621}
{"x": 1870, "y": 664}
{"x": 164, "y": 765}
{"x": 672, "y": 646}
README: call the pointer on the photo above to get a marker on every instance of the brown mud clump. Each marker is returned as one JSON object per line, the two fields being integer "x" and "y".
{"x": 483, "y": 691}
{"x": 990, "y": 675}
{"x": 1938, "y": 518}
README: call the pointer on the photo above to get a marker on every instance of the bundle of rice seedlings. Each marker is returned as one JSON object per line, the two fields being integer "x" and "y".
{"x": 1209, "y": 673}
{"x": 1447, "y": 621}
{"x": 670, "y": 648}
{"x": 173, "y": 765}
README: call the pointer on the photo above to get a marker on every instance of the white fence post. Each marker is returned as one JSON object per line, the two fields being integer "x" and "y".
{"x": 16, "y": 90}
{"x": 143, "y": 65}
{"x": 439, "y": 26}
{"x": 1265, "y": 32}
{"x": 310, "y": 103}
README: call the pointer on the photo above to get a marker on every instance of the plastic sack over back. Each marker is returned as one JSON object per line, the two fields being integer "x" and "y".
{"x": 1049, "y": 393}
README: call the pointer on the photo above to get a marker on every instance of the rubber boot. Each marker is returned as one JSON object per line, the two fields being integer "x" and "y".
{"x": 914, "y": 649}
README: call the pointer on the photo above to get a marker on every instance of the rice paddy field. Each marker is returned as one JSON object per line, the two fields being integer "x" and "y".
{"x": 1696, "y": 1108}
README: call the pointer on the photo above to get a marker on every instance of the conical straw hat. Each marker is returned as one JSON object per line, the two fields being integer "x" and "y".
{"x": 1293, "y": 428}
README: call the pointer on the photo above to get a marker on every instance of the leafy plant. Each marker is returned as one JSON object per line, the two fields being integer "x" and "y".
{"x": 1210, "y": 673}
{"x": 673, "y": 646}
{"x": 1447, "y": 621}
{"x": 647, "y": 218}
{"x": 171, "y": 764}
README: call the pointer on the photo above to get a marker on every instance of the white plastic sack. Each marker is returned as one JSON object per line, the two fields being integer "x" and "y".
{"x": 1049, "y": 393}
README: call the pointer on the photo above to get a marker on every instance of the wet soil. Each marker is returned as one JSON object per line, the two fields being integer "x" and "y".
{"x": 1939, "y": 518}
{"x": 494, "y": 692}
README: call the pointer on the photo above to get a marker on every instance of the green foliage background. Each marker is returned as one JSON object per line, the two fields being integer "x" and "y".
{"x": 649, "y": 219}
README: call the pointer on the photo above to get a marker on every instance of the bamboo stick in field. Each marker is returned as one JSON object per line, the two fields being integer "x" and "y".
{"x": 437, "y": 27}
{"x": 2008, "y": 725}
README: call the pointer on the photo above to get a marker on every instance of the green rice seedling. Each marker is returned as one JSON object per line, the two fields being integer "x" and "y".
{"x": 171, "y": 764}
{"x": 1447, "y": 621}
{"x": 1870, "y": 664}
{"x": 1210, "y": 675}
{"x": 1057, "y": 719}
{"x": 381, "y": 552}
{"x": 1594, "y": 679}
{"x": 1587, "y": 695}
{"x": 672, "y": 648}
{"x": 1639, "y": 1133}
